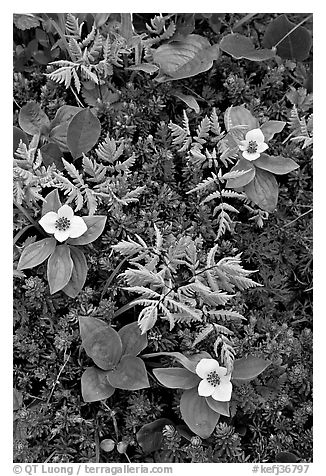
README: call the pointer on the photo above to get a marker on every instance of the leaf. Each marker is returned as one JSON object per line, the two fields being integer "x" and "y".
{"x": 59, "y": 268}
{"x": 240, "y": 46}
{"x": 32, "y": 119}
{"x": 107, "y": 445}
{"x": 244, "y": 179}
{"x": 270, "y": 128}
{"x": 95, "y": 227}
{"x": 17, "y": 399}
{"x": 223, "y": 408}
{"x": 133, "y": 342}
{"x": 184, "y": 58}
{"x": 149, "y": 437}
{"x": 51, "y": 154}
{"x": 18, "y": 135}
{"x": 59, "y": 125}
{"x": 239, "y": 116}
{"x": 189, "y": 363}
{"x": 263, "y": 190}
{"x": 195, "y": 412}
{"x": 130, "y": 374}
{"x": 286, "y": 457}
{"x": 25, "y": 21}
{"x": 79, "y": 273}
{"x": 100, "y": 18}
{"x": 146, "y": 67}
{"x": 176, "y": 377}
{"x": 83, "y": 133}
{"x": 52, "y": 202}
{"x": 296, "y": 45}
{"x": 248, "y": 368}
{"x": 35, "y": 253}
{"x": 189, "y": 100}
{"x": 101, "y": 342}
{"x": 94, "y": 385}
{"x": 276, "y": 164}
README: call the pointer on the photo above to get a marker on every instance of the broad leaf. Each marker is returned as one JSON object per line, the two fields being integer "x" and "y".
{"x": 242, "y": 165}
{"x": 195, "y": 412}
{"x": 184, "y": 58}
{"x": 52, "y": 202}
{"x": 83, "y": 133}
{"x": 240, "y": 46}
{"x": 176, "y": 377}
{"x": 59, "y": 268}
{"x": 18, "y": 135}
{"x": 248, "y": 368}
{"x": 263, "y": 190}
{"x": 51, "y": 154}
{"x": 133, "y": 342}
{"x": 146, "y": 67}
{"x": 270, "y": 128}
{"x": 189, "y": 100}
{"x": 130, "y": 374}
{"x": 149, "y": 437}
{"x": 17, "y": 399}
{"x": 94, "y": 385}
{"x": 276, "y": 164}
{"x": 35, "y": 253}
{"x": 79, "y": 273}
{"x": 239, "y": 116}
{"x": 95, "y": 227}
{"x": 189, "y": 363}
{"x": 295, "y": 45}
{"x": 59, "y": 125}
{"x": 223, "y": 408}
{"x": 101, "y": 342}
{"x": 32, "y": 119}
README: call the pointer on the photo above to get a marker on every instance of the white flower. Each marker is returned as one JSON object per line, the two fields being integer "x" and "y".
{"x": 216, "y": 383}
{"x": 63, "y": 224}
{"x": 253, "y": 145}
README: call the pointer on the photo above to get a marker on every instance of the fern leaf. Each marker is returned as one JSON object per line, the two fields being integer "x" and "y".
{"x": 90, "y": 37}
{"x": 147, "y": 318}
{"x": 205, "y": 184}
{"x": 203, "y": 334}
{"x": 61, "y": 75}
{"x": 142, "y": 277}
{"x": 226, "y": 315}
{"x": 202, "y": 132}
{"x": 128, "y": 248}
{"x": 72, "y": 26}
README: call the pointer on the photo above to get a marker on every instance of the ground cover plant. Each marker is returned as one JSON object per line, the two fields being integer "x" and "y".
{"x": 162, "y": 183}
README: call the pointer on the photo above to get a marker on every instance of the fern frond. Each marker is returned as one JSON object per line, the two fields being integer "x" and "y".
{"x": 226, "y": 315}
{"x": 72, "y": 26}
{"x": 145, "y": 292}
{"x": 96, "y": 48}
{"x": 108, "y": 151}
{"x": 205, "y": 184}
{"x": 202, "y": 133}
{"x": 90, "y": 37}
{"x": 142, "y": 277}
{"x": 147, "y": 318}
{"x": 61, "y": 75}
{"x": 75, "y": 50}
{"x": 205, "y": 332}
{"x": 214, "y": 124}
{"x": 128, "y": 248}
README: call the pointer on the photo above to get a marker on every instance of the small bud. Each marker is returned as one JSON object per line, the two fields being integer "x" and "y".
{"x": 107, "y": 445}
{"x": 122, "y": 447}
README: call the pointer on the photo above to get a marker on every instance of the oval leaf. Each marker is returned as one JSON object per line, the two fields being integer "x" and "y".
{"x": 79, "y": 273}
{"x": 223, "y": 408}
{"x": 94, "y": 385}
{"x": 248, "y": 368}
{"x": 51, "y": 154}
{"x": 101, "y": 342}
{"x": 52, "y": 202}
{"x": 133, "y": 342}
{"x": 59, "y": 268}
{"x": 295, "y": 45}
{"x": 95, "y": 227}
{"x": 130, "y": 374}
{"x": 146, "y": 67}
{"x": 239, "y": 116}
{"x": 18, "y": 135}
{"x": 195, "y": 412}
{"x": 175, "y": 377}
{"x": 240, "y": 46}
{"x": 35, "y": 253}
{"x": 276, "y": 164}
{"x": 83, "y": 133}
{"x": 270, "y": 128}
{"x": 247, "y": 177}
{"x": 263, "y": 190}
{"x": 149, "y": 437}
{"x": 189, "y": 100}
{"x": 59, "y": 125}
{"x": 189, "y": 363}
{"x": 32, "y": 119}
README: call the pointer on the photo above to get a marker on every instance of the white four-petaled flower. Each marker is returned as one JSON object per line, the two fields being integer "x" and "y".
{"x": 253, "y": 145}
{"x": 63, "y": 224}
{"x": 216, "y": 382}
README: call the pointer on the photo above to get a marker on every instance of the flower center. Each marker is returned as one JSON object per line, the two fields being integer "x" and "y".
{"x": 62, "y": 223}
{"x": 252, "y": 147}
{"x": 213, "y": 379}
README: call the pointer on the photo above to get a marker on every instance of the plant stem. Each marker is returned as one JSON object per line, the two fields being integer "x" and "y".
{"x": 292, "y": 30}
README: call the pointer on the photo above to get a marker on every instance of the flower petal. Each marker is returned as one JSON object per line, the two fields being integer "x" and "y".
{"x": 222, "y": 373}
{"x": 66, "y": 212}
{"x": 61, "y": 235}
{"x": 243, "y": 145}
{"x": 205, "y": 366}
{"x": 262, "y": 147}
{"x": 250, "y": 156}
{"x": 205, "y": 389}
{"x": 48, "y": 222}
{"x": 223, "y": 392}
{"x": 77, "y": 227}
{"x": 255, "y": 135}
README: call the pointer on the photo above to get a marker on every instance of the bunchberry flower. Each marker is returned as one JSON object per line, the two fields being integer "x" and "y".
{"x": 253, "y": 145}
{"x": 63, "y": 224}
{"x": 216, "y": 383}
